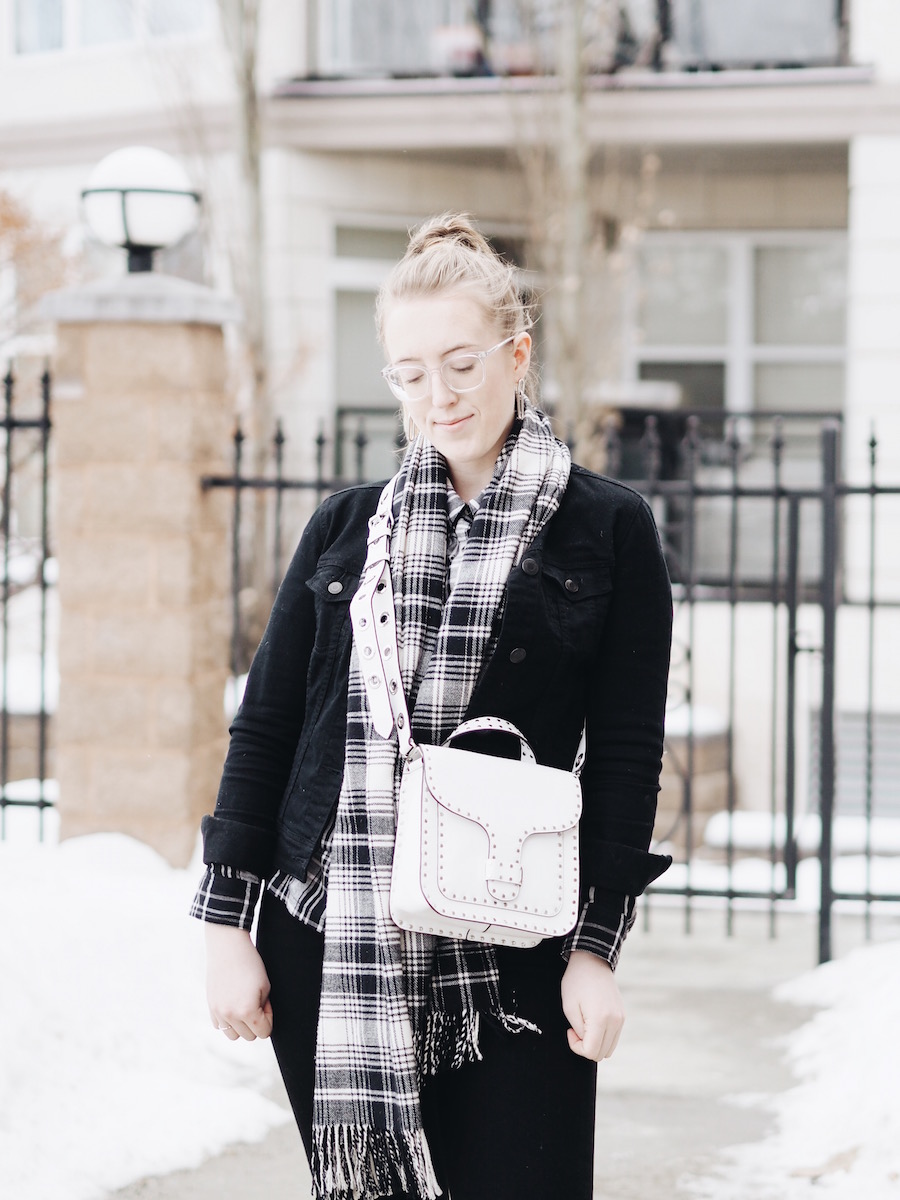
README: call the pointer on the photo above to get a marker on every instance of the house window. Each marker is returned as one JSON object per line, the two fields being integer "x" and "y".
{"x": 382, "y": 37}
{"x": 163, "y": 18}
{"x": 46, "y": 25}
{"x": 364, "y": 404}
{"x": 749, "y": 323}
{"x": 104, "y": 21}
{"x": 39, "y": 26}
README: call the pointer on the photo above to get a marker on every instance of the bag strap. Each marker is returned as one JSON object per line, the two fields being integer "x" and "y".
{"x": 375, "y": 629}
{"x": 375, "y": 633}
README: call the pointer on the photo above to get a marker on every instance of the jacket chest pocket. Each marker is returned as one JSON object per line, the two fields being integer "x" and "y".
{"x": 333, "y": 586}
{"x": 579, "y": 598}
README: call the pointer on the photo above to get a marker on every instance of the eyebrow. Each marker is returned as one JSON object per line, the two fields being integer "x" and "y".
{"x": 452, "y": 350}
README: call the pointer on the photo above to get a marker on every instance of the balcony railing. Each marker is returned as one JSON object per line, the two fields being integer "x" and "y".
{"x": 392, "y": 38}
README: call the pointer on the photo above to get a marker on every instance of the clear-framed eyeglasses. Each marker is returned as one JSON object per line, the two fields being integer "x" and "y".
{"x": 411, "y": 382}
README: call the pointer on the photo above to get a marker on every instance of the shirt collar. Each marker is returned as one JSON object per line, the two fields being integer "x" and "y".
{"x": 457, "y": 507}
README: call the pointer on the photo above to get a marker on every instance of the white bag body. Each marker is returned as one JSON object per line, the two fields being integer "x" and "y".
{"x": 486, "y": 848}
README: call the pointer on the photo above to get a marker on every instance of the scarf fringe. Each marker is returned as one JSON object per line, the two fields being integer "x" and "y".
{"x": 449, "y": 1041}
{"x": 517, "y": 1024}
{"x": 349, "y": 1162}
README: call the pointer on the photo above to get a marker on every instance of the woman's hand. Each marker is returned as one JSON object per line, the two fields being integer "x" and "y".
{"x": 592, "y": 1005}
{"x": 237, "y": 986}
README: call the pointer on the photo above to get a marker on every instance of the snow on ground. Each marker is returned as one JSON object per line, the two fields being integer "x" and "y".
{"x": 838, "y": 1130}
{"x": 109, "y": 1067}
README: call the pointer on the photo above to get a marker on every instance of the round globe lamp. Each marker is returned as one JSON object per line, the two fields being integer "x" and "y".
{"x": 140, "y": 199}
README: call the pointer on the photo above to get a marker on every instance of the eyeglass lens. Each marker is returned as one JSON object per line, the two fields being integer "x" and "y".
{"x": 461, "y": 374}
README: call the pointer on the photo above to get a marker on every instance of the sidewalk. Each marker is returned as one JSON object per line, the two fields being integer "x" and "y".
{"x": 702, "y": 1026}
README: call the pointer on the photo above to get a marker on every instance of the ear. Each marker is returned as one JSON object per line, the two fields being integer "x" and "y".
{"x": 522, "y": 354}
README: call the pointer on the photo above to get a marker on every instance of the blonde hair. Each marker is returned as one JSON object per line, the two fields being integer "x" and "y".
{"x": 448, "y": 252}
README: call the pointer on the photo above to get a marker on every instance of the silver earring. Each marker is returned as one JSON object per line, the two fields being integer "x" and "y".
{"x": 521, "y": 399}
{"x": 409, "y": 428}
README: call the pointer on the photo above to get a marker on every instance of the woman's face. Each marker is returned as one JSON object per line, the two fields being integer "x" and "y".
{"x": 468, "y": 428}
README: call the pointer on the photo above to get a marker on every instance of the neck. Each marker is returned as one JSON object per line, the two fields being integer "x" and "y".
{"x": 469, "y": 482}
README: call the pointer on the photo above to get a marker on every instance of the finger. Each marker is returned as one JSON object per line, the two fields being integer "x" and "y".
{"x": 231, "y": 1026}
{"x": 592, "y": 1043}
{"x": 575, "y": 1043}
{"x": 599, "y": 1041}
{"x": 221, "y": 1024}
{"x": 612, "y": 1031}
{"x": 575, "y": 1017}
{"x": 261, "y": 1022}
{"x": 245, "y": 1030}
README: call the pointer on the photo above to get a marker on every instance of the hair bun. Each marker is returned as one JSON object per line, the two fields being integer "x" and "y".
{"x": 448, "y": 227}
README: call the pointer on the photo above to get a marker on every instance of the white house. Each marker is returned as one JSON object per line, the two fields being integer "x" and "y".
{"x": 752, "y": 184}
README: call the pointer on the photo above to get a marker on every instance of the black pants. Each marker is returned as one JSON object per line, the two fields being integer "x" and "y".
{"x": 519, "y": 1125}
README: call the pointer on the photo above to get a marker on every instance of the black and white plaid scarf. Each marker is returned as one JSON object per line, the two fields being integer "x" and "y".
{"x": 397, "y": 1006}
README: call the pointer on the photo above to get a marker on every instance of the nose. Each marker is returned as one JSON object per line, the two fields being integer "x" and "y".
{"x": 442, "y": 396}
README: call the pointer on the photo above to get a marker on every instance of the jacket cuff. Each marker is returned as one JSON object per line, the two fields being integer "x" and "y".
{"x": 238, "y": 844}
{"x": 615, "y": 867}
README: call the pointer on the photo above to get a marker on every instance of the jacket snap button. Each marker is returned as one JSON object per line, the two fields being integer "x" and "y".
{"x": 572, "y": 585}
{"x": 335, "y": 587}
{"x": 517, "y": 655}
{"x": 530, "y": 566}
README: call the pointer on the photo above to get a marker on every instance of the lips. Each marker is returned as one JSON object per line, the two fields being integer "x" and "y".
{"x": 455, "y": 424}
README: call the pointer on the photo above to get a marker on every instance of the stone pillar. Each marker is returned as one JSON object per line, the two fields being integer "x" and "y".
{"x": 139, "y": 415}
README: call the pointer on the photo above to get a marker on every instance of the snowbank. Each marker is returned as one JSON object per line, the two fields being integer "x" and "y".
{"x": 110, "y": 1067}
{"x": 838, "y": 1130}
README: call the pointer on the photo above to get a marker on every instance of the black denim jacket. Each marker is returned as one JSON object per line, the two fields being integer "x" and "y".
{"x": 585, "y": 635}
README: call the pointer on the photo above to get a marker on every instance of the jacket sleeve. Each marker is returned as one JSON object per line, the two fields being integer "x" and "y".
{"x": 265, "y": 730}
{"x": 625, "y": 721}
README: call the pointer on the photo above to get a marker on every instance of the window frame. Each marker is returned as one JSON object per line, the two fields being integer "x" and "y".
{"x": 740, "y": 354}
{"x": 72, "y": 43}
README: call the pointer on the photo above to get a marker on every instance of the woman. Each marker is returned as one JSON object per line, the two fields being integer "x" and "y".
{"x": 525, "y": 588}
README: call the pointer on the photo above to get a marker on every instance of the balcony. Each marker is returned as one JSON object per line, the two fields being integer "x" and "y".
{"x": 483, "y": 83}
{"x": 394, "y": 39}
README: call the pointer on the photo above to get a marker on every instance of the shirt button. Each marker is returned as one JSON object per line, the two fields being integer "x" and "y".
{"x": 335, "y": 587}
{"x": 572, "y": 585}
{"x": 517, "y": 655}
{"x": 530, "y": 566}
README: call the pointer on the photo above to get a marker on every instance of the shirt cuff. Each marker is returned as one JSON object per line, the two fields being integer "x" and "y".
{"x": 603, "y": 925}
{"x": 227, "y": 896}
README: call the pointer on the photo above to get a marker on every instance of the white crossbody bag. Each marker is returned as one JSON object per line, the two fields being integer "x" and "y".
{"x": 486, "y": 848}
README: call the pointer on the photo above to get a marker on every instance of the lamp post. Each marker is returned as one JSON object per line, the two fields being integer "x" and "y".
{"x": 140, "y": 199}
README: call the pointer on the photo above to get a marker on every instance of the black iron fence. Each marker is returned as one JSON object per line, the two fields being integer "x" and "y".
{"x": 781, "y": 781}
{"x": 781, "y": 777}
{"x": 289, "y": 502}
{"x": 782, "y": 772}
{"x": 28, "y": 673}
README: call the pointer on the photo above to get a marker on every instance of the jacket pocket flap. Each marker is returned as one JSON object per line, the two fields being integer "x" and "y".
{"x": 580, "y": 583}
